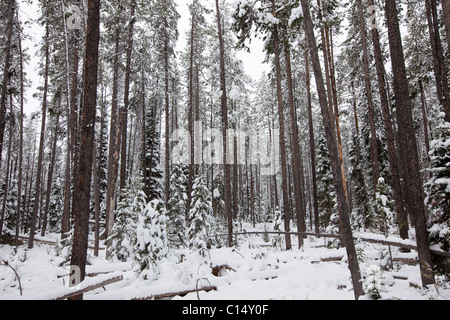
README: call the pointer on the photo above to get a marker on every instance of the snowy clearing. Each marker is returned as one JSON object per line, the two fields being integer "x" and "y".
{"x": 255, "y": 270}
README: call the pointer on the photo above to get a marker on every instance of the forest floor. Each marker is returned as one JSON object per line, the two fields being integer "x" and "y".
{"x": 254, "y": 270}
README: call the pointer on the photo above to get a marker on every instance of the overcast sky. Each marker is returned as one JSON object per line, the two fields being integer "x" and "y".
{"x": 253, "y": 61}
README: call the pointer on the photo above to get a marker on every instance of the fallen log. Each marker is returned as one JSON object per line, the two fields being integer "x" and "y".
{"x": 169, "y": 295}
{"x": 90, "y": 288}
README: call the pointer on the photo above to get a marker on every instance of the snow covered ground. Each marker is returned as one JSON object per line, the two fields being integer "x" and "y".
{"x": 255, "y": 271}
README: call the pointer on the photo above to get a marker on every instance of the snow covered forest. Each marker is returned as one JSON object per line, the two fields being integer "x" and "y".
{"x": 142, "y": 158}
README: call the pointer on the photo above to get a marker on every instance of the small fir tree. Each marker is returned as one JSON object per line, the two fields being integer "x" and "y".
{"x": 151, "y": 241}
{"x": 438, "y": 195}
{"x": 199, "y": 215}
{"x": 124, "y": 231}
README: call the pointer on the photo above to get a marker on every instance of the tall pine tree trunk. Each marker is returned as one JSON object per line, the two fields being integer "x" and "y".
{"x": 287, "y": 212}
{"x": 406, "y": 127}
{"x": 297, "y": 165}
{"x": 126, "y": 98}
{"x": 226, "y": 167}
{"x": 373, "y": 132}
{"x": 3, "y": 98}
{"x": 41, "y": 143}
{"x": 114, "y": 149}
{"x": 312, "y": 145}
{"x": 334, "y": 155}
{"x": 389, "y": 130}
{"x": 83, "y": 178}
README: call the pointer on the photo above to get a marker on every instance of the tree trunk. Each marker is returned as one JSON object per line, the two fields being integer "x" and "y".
{"x": 51, "y": 167}
{"x": 446, "y": 9}
{"x": 312, "y": 145}
{"x": 83, "y": 179}
{"x": 406, "y": 127}
{"x": 287, "y": 212}
{"x": 126, "y": 98}
{"x": 41, "y": 143}
{"x": 4, "y": 93}
{"x": 297, "y": 164}
{"x": 334, "y": 156}
{"x": 226, "y": 167}
{"x": 373, "y": 132}
{"x": 113, "y": 139}
{"x": 389, "y": 130}
{"x": 21, "y": 116}
{"x": 437, "y": 51}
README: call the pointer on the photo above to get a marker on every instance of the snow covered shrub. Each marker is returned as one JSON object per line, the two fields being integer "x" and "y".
{"x": 384, "y": 207}
{"x": 63, "y": 248}
{"x": 437, "y": 191}
{"x": 333, "y": 228}
{"x": 123, "y": 234}
{"x": 151, "y": 240}
{"x": 373, "y": 284}
{"x": 199, "y": 215}
{"x": 176, "y": 230}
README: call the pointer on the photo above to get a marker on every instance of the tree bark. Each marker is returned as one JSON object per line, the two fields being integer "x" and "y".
{"x": 373, "y": 132}
{"x": 334, "y": 156}
{"x": 297, "y": 165}
{"x": 41, "y": 143}
{"x": 406, "y": 127}
{"x": 389, "y": 130}
{"x": 51, "y": 167}
{"x": 312, "y": 145}
{"x": 83, "y": 179}
{"x": 113, "y": 139}
{"x": 4, "y": 93}
{"x": 446, "y": 9}
{"x": 126, "y": 98}
{"x": 287, "y": 212}
{"x": 226, "y": 167}
{"x": 437, "y": 51}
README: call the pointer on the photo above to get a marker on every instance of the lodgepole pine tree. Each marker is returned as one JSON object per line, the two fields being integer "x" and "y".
{"x": 409, "y": 143}
{"x": 82, "y": 180}
{"x": 343, "y": 209}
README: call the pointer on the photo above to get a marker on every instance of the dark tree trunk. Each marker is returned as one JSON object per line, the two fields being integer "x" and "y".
{"x": 126, "y": 98}
{"x": 373, "y": 132}
{"x": 389, "y": 130}
{"x": 406, "y": 127}
{"x": 297, "y": 164}
{"x": 41, "y": 143}
{"x": 334, "y": 155}
{"x": 437, "y": 51}
{"x": 51, "y": 168}
{"x": 4, "y": 93}
{"x": 312, "y": 145}
{"x": 83, "y": 179}
{"x": 226, "y": 167}
{"x": 287, "y": 212}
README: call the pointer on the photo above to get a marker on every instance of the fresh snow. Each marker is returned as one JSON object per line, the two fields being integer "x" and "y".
{"x": 257, "y": 271}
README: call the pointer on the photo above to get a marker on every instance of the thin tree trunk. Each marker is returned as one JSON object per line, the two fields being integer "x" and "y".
{"x": 297, "y": 165}
{"x": 373, "y": 132}
{"x": 126, "y": 98}
{"x": 51, "y": 167}
{"x": 226, "y": 167}
{"x": 334, "y": 156}
{"x": 437, "y": 51}
{"x": 21, "y": 116}
{"x": 41, "y": 144}
{"x": 406, "y": 127}
{"x": 446, "y": 9}
{"x": 4, "y": 93}
{"x": 287, "y": 212}
{"x": 83, "y": 178}
{"x": 312, "y": 144}
{"x": 389, "y": 130}
{"x": 8, "y": 169}
{"x": 114, "y": 129}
